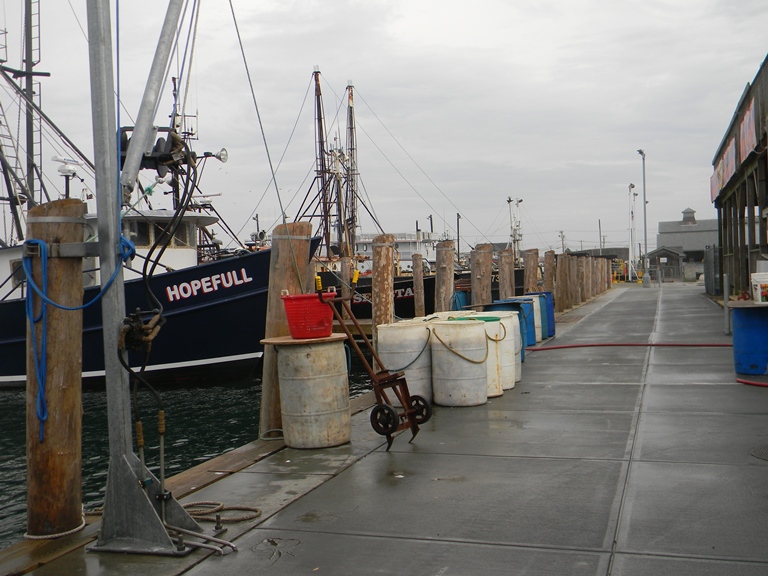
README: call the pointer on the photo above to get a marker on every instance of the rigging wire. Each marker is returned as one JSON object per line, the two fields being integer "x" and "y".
{"x": 258, "y": 113}
{"x": 189, "y": 48}
{"x": 279, "y": 163}
{"x": 482, "y": 234}
{"x": 300, "y": 275}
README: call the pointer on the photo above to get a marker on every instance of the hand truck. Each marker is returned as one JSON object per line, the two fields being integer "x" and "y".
{"x": 385, "y": 418}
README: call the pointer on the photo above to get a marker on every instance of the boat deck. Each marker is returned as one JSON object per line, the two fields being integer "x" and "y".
{"x": 626, "y": 461}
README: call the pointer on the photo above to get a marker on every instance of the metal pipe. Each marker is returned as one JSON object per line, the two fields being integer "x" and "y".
{"x": 144, "y": 121}
{"x": 201, "y": 535}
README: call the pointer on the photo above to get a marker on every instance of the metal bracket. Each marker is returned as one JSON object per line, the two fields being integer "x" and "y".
{"x": 66, "y": 250}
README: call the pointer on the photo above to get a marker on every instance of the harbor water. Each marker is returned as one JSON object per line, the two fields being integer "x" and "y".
{"x": 202, "y": 423}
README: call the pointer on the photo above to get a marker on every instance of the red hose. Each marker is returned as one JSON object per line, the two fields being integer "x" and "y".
{"x": 752, "y": 383}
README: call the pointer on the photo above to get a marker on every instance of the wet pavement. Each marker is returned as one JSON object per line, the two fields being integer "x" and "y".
{"x": 627, "y": 461}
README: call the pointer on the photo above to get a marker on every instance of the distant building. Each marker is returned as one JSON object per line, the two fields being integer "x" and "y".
{"x": 406, "y": 245}
{"x": 681, "y": 247}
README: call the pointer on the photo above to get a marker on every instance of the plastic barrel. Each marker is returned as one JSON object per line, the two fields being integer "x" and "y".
{"x": 750, "y": 340}
{"x": 459, "y": 300}
{"x": 509, "y": 346}
{"x": 542, "y": 312}
{"x": 314, "y": 394}
{"x": 459, "y": 372}
{"x": 550, "y": 312}
{"x": 536, "y": 316}
{"x": 405, "y": 346}
{"x": 525, "y": 307}
{"x": 494, "y": 332}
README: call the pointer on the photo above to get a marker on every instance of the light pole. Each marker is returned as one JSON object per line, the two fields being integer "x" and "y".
{"x": 630, "y": 258}
{"x": 646, "y": 279}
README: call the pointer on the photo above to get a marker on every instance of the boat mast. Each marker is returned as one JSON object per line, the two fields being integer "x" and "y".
{"x": 321, "y": 168}
{"x": 335, "y": 203}
{"x": 29, "y": 91}
{"x": 350, "y": 198}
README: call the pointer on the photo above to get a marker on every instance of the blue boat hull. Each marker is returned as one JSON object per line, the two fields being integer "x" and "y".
{"x": 215, "y": 317}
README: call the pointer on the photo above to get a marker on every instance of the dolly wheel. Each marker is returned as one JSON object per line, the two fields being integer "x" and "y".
{"x": 422, "y": 408}
{"x": 384, "y": 419}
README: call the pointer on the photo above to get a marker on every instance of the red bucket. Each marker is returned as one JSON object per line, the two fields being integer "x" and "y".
{"x": 307, "y": 316}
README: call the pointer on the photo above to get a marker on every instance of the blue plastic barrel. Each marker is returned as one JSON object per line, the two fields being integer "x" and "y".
{"x": 750, "y": 340}
{"x": 525, "y": 308}
{"x": 459, "y": 300}
{"x": 550, "y": 312}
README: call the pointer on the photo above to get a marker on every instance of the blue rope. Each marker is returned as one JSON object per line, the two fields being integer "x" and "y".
{"x": 127, "y": 251}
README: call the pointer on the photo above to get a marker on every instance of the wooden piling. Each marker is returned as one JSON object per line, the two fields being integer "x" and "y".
{"x": 506, "y": 274}
{"x": 418, "y": 285}
{"x": 581, "y": 262}
{"x": 549, "y": 271}
{"x": 383, "y": 282}
{"x": 444, "y": 285}
{"x": 346, "y": 281}
{"x": 571, "y": 280}
{"x": 54, "y": 461}
{"x": 560, "y": 289}
{"x": 287, "y": 271}
{"x": 481, "y": 259}
{"x": 531, "y": 270}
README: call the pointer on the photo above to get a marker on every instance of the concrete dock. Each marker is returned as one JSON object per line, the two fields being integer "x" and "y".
{"x": 630, "y": 461}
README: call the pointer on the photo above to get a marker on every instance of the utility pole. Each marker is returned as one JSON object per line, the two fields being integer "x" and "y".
{"x": 600, "y": 236}
{"x": 458, "y": 238}
{"x": 562, "y": 240}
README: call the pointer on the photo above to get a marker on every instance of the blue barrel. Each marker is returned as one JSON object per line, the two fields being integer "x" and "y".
{"x": 459, "y": 300}
{"x": 550, "y": 312}
{"x": 525, "y": 308}
{"x": 750, "y": 340}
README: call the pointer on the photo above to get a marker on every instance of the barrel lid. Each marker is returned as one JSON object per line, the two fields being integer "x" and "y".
{"x": 481, "y": 318}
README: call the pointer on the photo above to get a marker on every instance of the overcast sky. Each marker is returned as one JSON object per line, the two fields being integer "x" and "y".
{"x": 460, "y": 104}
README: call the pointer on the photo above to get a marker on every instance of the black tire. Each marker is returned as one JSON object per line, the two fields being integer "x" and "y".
{"x": 384, "y": 419}
{"x": 423, "y": 409}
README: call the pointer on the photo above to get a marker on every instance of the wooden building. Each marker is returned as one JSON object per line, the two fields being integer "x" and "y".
{"x": 738, "y": 186}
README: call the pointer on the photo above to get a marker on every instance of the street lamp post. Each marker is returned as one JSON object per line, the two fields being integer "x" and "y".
{"x": 630, "y": 255}
{"x": 646, "y": 279}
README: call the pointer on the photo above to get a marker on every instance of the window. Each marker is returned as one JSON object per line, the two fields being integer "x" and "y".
{"x": 139, "y": 233}
{"x": 17, "y": 272}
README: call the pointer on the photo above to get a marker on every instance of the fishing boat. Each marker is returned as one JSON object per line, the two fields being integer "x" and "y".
{"x": 213, "y": 298}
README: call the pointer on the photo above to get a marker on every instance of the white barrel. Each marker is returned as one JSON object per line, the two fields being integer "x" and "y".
{"x": 314, "y": 394}
{"x": 518, "y": 348}
{"x": 509, "y": 347}
{"x": 536, "y": 315}
{"x": 459, "y": 372}
{"x": 405, "y": 346}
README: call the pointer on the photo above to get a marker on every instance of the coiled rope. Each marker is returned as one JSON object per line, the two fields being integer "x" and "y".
{"x": 127, "y": 251}
{"x": 206, "y": 513}
{"x": 58, "y": 535}
{"x": 209, "y": 509}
